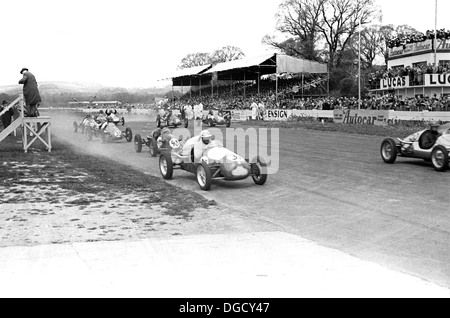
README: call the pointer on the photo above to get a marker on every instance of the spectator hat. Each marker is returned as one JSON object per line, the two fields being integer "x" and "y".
{"x": 23, "y": 70}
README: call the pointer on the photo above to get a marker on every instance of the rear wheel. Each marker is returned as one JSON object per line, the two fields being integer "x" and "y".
{"x": 158, "y": 122}
{"x": 439, "y": 158}
{"x": 259, "y": 171}
{"x": 153, "y": 148}
{"x": 388, "y": 150}
{"x": 138, "y": 143}
{"x": 128, "y": 134}
{"x": 166, "y": 166}
{"x": 204, "y": 176}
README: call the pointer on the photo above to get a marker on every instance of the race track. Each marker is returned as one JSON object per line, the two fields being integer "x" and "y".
{"x": 332, "y": 188}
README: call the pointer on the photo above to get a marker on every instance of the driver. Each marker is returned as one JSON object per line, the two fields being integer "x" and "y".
{"x": 199, "y": 148}
{"x": 430, "y": 136}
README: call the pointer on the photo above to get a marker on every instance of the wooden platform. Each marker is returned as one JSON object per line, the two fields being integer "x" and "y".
{"x": 34, "y": 129}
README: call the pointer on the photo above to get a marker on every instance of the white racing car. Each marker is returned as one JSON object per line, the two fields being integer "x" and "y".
{"x": 416, "y": 146}
{"x": 208, "y": 159}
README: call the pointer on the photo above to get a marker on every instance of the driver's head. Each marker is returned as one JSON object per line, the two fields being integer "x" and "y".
{"x": 434, "y": 126}
{"x": 206, "y": 136}
{"x": 211, "y": 112}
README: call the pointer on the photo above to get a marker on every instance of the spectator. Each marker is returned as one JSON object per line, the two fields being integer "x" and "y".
{"x": 30, "y": 93}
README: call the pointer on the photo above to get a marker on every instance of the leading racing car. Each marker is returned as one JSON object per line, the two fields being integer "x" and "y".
{"x": 209, "y": 160}
{"x": 222, "y": 118}
{"x": 417, "y": 146}
{"x": 108, "y": 131}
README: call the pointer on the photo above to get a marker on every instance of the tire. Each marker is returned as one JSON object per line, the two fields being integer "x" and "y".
{"x": 122, "y": 121}
{"x": 158, "y": 122}
{"x": 228, "y": 124}
{"x": 75, "y": 126}
{"x": 166, "y": 166}
{"x": 89, "y": 133}
{"x": 153, "y": 148}
{"x": 259, "y": 171}
{"x": 186, "y": 123}
{"x": 128, "y": 134}
{"x": 204, "y": 177}
{"x": 388, "y": 150}
{"x": 439, "y": 158}
{"x": 138, "y": 143}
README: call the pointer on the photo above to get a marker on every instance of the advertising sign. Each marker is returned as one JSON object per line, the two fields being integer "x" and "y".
{"x": 361, "y": 117}
{"x": 437, "y": 80}
{"x": 395, "y": 82}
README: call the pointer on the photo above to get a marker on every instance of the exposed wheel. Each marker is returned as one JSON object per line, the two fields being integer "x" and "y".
{"x": 186, "y": 123}
{"x": 122, "y": 121}
{"x": 89, "y": 133}
{"x": 204, "y": 176}
{"x": 75, "y": 126}
{"x": 228, "y": 124}
{"x": 153, "y": 147}
{"x": 158, "y": 122}
{"x": 439, "y": 158}
{"x": 128, "y": 134}
{"x": 388, "y": 150}
{"x": 138, "y": 143}
{"x": 166, "y": 166}
{"x": 259, "y": 171}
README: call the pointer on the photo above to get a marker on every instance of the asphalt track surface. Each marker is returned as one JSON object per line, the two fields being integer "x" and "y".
{"x": 331, "y": 188}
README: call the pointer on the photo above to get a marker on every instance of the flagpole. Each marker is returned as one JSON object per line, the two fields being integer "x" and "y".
{"x": 359, "y": 67}
{"x": 435, "y": 36}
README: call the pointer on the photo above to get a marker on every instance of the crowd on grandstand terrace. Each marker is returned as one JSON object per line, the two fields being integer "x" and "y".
{"x": 415, "y": 74}
{"x": 417, "y": 37}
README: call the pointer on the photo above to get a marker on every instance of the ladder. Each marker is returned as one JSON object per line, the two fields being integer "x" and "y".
{"x": 28, "y": 125}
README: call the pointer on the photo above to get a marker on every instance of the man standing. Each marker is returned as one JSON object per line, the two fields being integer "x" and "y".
{"x": 30, "y": 93}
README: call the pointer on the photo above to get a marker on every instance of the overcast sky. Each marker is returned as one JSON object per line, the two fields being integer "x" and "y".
{"x": 134, "y": 43}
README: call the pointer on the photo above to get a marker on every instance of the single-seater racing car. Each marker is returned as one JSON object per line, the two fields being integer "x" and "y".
{"x": 222, "y": 118}
{"x": 108, "y": 131}
{"x": 168, "y": 119}
{"x": 209, "y": 160}
{"x": 432, "y": 144}
{"x": 158, "y": 141}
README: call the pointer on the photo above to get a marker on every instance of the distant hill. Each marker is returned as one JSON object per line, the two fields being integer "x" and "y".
{"x": 77, "y": 88}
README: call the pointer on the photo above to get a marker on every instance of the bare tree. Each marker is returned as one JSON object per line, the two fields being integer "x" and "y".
{"x": 195, "y": 59}
{"x": 226, "y": 53}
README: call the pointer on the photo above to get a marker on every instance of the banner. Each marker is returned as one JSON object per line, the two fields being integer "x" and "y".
{"x": 437, "y": 80}
{"x": 277, "y": 114}
{"x": 395, "y": 82}
{"x": 361, "y": 117}
{"x": 411, "y": 48}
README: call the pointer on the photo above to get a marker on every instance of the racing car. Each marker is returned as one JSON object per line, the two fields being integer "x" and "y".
{"x": 86, "y": 121}
{"x": 115, "y": 119}
{"x": 108, "y": 132}
{"x": 170, "y": 120}
{"x": 414, "y": 146}
{"x": 209, "y": 160}
{"x": 158, "y": 141}
{"x": 222, "y": 118}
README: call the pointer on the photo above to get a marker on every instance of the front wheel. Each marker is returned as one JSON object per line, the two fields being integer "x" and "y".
{"x": 128, "y": 135}
{"x": 166, "y": 166}
{"x": 388, "y": 150}
{"x": 204, "y": 176}
{"x": 259, "y": 171}
{"x": 439, "y": 158}
{"x": 153, "y": 148}
{"x": 138, "y": 143}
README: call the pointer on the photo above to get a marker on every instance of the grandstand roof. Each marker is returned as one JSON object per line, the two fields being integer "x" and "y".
{"x": 250, "y": 69}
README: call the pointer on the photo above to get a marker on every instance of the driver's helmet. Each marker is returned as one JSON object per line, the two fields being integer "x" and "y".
{"x": 101, "y": 111}
{"x": 165, "y": 130}
{"x": 206, "y": 136}
{"x": 433, "y": 125}
{"x": 211, "y": 112}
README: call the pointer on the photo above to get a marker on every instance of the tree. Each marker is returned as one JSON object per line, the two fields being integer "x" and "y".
{"x": 226, "y": 53}
{"x": 299, "y": 19}
{"x": 195, "y": 59}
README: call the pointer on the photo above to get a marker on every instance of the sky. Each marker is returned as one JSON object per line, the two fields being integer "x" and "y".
{"x": 136, "y": 43}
